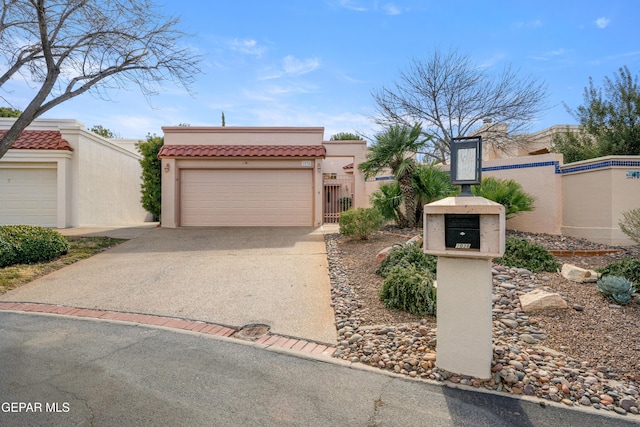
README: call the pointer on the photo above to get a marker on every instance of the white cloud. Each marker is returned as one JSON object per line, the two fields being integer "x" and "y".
{"x": 293, "y": 66}
{"x": 391, "y": 9}
{"x": 529, "y": 24}
{"x": 352, "y": 5}
{"x": 290, "y": 66}
{"x": 247, "y": 46}
{"x": 493, "y": 60}
{"x": 546, "y": 56}
{"x": 602, "y": 22}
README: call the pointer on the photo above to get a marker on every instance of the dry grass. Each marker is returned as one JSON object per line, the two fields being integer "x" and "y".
{"x": 81, "y": 248}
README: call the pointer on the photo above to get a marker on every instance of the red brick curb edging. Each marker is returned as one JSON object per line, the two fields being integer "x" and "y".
{"x": 267, "y": 340}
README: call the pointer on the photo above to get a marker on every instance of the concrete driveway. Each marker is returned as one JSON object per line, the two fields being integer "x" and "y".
{"x": 231, "y": 276}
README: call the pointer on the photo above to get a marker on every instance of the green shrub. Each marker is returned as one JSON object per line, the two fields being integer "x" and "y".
{"x": 630, "y": 224}
{"x": 407, "y": 253}
{"x": 616, "y": 288}
{"x": 7, "y": 253}
{"x": 409, "y": 289}
{"x": 151, "y": 186}
{"x": 522, "y": 253}
{"x": 506, "y": 192}
{"x": 30, "y": 244}
{"x": 627, "y": 267}
{"x": 388, "y": 200}
{"x": 360, "y": 222}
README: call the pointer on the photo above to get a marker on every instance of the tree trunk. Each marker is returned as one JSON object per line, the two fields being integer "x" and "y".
{"x": 406, "y": 187}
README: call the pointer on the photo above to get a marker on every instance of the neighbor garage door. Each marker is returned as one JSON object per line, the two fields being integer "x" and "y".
{"x": 28, "y": 196}
{"x": 246, "y": 197}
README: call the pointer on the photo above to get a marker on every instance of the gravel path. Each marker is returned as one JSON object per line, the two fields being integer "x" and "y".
{"x": 522, "y": 361}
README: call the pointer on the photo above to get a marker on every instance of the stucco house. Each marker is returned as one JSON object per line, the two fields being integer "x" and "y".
{"x": 584, "y": 199}
{"x": 58, "y": 174}
{"x": 258, "y": 176}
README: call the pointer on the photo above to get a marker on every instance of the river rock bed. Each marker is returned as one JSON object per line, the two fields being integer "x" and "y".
{"x": 521, "y": 365}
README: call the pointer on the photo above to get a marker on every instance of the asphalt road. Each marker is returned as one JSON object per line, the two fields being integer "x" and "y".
{"x": 58, "y": 371}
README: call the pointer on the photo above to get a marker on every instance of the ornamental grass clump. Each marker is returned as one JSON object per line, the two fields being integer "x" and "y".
{"x": 409, "y": 289}
{"x": 27, "y": 244}
{"x": 616, "y": 288}
{"x": 630, "y": 224}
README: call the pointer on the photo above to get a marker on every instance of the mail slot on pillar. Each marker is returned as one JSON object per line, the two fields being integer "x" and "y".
{"x": 462, "y": 231}
{"x": 468, "y": 227}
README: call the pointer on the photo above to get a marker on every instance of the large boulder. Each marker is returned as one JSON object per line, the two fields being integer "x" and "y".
{"x": 579, "y": 275}
{"x": 539, "y": 299}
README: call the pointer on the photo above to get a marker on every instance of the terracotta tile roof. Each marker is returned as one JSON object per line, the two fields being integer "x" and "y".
{"x": 242, "y": 151}
{"x": 39, "y": 140}
{"x": 349, "y": 166}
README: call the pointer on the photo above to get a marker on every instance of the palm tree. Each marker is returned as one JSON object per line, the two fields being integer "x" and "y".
{"x": 388, "y": 200}
{"x": 431, "y": 183}
{"x": 396, "y": 149}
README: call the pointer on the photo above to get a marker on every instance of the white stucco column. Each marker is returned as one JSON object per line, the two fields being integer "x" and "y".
{"x": 465, "y": 233}
{"x": 63, "y": 178}
{"x": 464, "y": 316}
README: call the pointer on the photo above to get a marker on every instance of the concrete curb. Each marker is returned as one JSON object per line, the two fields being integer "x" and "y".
{"x": 295, "y": 347}
{"x": 274, "y": 342}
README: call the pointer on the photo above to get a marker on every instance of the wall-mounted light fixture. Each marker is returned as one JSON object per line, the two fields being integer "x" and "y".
{"x": 167, "y": 168}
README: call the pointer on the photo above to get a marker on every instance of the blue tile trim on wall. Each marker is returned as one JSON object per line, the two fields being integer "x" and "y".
{"x": 524, "y": 166}
{"x": 599, "y": 165}
{"x": 559, "y": 170}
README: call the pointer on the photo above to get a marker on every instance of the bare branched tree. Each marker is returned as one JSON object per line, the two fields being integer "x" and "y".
{"x": 453, "y": 97}
{"x": 67, "y": 47}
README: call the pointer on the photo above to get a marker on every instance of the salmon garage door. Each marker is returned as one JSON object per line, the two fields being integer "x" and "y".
{"x": 246, "y": 197}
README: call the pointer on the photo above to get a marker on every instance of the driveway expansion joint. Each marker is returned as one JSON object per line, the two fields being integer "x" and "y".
{"x": 275, "y": 341}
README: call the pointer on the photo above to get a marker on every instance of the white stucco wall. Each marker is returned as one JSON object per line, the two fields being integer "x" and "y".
{"x": 106, "y": 180}
{"x": 537, "y": 176}
{"x": 98, "y": 183}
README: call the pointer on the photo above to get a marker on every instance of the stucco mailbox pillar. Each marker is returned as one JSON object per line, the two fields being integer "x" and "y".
{"x": 465, "y": 233}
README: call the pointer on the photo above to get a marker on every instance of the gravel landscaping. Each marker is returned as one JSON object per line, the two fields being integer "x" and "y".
{"x": 587, "y": 354}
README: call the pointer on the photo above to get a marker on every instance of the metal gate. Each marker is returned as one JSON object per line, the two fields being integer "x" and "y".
{"x": 338, "y": 196}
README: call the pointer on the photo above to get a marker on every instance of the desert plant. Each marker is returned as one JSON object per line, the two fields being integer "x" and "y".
{"x": 360, "y": 222}
{"x": 431, "y": 183}
{"x": 507, "y": 192}
{"x": 404, "y": 254}
{"x": 627, "y": 267}
{"x": 396, "y": 149}
{"x": 522, "y": 253}
{"x": 616, "y": 288}
{"x": 630, "y": 224}
{"x": 388, "y": 200}
{"x": 409, "y": 289}
{"x": 31, "y": 244}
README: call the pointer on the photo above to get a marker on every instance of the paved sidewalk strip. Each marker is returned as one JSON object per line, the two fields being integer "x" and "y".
{"x": 267, "y": 340}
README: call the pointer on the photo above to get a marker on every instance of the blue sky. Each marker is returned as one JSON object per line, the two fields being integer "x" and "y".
{"x": 315, "y": 63}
